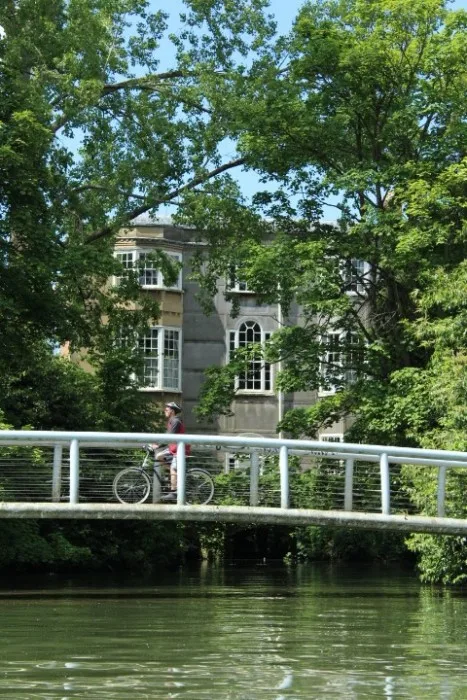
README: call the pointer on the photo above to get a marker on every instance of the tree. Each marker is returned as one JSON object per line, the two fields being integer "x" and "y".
{"x": 367, "y": 109}
{"x": 93, "y": 132}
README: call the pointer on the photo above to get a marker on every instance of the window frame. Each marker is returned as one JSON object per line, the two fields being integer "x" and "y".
{"x": 323, "y": 391}
{"x": 161, "y": 372}
{"x": 233, "y": 463}
{"x": 265, "y": 368}
{"x": 236, "y": 288}
{"x": 349, "y": 375}
{"x": 328, "y": 437}
{"x": 136, "y": 253}
{"x": 354, "y": 271}
{"x": 236, "y": 285}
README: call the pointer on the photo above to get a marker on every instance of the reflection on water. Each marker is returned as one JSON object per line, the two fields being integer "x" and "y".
{"x": 235, "y": 634}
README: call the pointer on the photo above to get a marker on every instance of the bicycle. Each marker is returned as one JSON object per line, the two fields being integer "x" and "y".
{"x": 132, "y": 485}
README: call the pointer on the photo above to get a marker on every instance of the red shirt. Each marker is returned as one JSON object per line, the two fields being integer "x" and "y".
{"x": 175, "y": 425}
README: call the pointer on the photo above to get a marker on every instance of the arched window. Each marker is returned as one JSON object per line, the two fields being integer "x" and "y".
{"x": 257, "y": 378}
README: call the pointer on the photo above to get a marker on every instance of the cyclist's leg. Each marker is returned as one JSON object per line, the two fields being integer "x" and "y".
{"x": 166, "y": 458}
{"x": 173, "y": 473}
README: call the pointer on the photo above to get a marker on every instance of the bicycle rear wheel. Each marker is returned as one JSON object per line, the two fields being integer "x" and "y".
{"x": 199, "y": 487}
{"x": 132, "y": 486}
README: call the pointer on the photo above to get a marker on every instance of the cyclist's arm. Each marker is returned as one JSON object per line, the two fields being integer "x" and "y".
{"x": 173, "y": 427}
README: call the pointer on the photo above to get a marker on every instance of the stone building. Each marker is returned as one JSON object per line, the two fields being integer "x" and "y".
{"x": 185, "y": 341}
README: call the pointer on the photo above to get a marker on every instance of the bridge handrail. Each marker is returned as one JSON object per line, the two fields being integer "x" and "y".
{"x": 351, "y": 452}
{"x": 52, "y": 437}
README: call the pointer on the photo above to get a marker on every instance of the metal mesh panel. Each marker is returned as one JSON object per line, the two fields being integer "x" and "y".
{"x": 316, "y": 482}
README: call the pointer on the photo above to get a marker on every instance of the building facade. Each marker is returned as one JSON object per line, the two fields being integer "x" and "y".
{"x": 185, "y": 341}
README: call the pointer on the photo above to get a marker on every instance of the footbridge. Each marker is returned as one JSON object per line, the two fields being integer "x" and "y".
{"x": 51, "y": 474}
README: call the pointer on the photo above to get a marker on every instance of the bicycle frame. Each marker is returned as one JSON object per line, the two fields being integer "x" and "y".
{"x": 151, "y": 465}
{"x": 199, "y": 484}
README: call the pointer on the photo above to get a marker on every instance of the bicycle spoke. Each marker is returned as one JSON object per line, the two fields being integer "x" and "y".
{"x": 131, "y": 486}
{"x": 199, "y": 487}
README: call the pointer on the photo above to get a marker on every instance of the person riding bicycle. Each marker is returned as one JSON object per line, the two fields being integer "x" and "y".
{"x": 167, "y": 455}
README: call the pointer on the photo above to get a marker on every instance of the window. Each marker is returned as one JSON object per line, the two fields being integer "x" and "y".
{"x": 354, "y": 272}
{"x": 239, "y": 286}
{"x": 330, "y": 363}
{"x": 328, "y": 437}
{"x": 241, "y": 461}
{"x": 257, "y": 377}
{"x": 332, "y": 466}
{"x": 150, "y": 276}
{"x": 235, "y": 284}
{"x": 342, "y": 360}
{"x": 160, "y": 349}
{"x": 126, "y": 260}
{"x": 234, "y": 462}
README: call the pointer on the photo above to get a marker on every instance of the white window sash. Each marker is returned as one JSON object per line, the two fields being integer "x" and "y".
{"x": 137, "y": 254}
{"x": 348, "y": 376}
{"x": 264, "y": 368}
{"x": 167, "y": 366}
{"x": 329, "y": 390}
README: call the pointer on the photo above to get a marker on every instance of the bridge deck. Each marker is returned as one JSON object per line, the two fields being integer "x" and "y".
{"x": 236, "y": 514}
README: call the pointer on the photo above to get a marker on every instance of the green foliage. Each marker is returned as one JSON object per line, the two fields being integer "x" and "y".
{"x": 24, "y": 545}
{"x": 365, "y": 109}
{"x": 100, "y": 546}
{"x": 342, "y": 544}
{"x": 94, "y": 132}
{"x": 441, "y": 559}
{"x": 212, "y": 537}
{"x": 366, "y": 113}
{"x": 52, "y": 393}
{"x": 322, "y": 414}
{"x": 362, "y": 106}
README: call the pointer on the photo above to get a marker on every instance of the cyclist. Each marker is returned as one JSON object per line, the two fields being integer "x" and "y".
{"x": 167, "y": 455}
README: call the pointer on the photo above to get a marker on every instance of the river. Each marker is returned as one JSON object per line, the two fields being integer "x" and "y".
{"x": 234, "y": 633}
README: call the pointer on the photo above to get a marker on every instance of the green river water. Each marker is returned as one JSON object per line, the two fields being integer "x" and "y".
{"x": 236, "y": 633}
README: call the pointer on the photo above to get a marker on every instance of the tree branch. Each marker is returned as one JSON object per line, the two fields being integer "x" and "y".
{"x": 137, "y": 211}
{"x": 148, "y": 83}
{"x": 143, "y": 83}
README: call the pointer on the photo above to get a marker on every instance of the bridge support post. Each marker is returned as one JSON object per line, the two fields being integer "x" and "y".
{"x": 348, "y": 492}
{"x": 254, "y": 478}
{"x": 156, "y": 482}
{"x": 181, "y": 474}
{"x": 284, "y": 476}
{"x": 57, "y": 474}
{"x": 441, "y": 491}
{"x": 74, "y": 472}
{"x": 385, "y": 485}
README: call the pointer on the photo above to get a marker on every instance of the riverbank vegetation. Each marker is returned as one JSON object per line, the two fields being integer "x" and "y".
{"x": 360, "y": 108}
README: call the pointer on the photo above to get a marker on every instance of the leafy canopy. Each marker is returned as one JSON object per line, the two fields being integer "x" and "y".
{"x": 96, "y": 128}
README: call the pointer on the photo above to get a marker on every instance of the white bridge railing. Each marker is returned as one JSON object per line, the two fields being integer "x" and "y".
{"x": 66, "y": 450}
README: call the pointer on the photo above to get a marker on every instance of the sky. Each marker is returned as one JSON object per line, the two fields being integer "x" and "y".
{"x": 283, "y": 10}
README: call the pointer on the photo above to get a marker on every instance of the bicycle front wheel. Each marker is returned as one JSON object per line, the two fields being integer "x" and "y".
{"x": 199, "y": 488}
{"x": 131, "y": 486}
